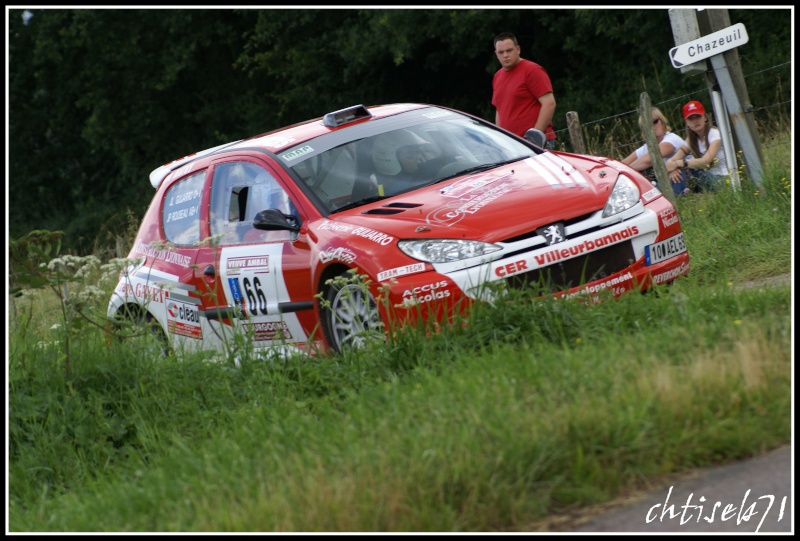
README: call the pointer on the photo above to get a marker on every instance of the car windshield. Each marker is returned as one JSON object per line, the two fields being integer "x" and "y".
{"x": 401, "y": 160}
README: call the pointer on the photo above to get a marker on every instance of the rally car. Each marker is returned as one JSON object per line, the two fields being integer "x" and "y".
{"x": 319, "y": 235}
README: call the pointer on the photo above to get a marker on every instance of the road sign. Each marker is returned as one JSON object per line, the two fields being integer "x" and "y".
{"x": 707, "y": 46}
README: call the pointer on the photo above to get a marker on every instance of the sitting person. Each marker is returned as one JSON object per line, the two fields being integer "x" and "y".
{"x": 701, "y": 155}
{"x": 668, "y": 144}
{"x": 399, "y": 158}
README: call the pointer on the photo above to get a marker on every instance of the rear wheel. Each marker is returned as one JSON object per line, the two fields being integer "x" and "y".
{"x": 139, "y": 330}
{"x": 350, "y": 316}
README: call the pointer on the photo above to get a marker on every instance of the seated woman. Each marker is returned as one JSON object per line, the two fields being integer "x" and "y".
{"x": 668, "y": 144}
{"x": 701, "y": 157}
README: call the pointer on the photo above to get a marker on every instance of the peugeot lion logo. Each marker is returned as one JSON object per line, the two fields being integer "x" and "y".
{"x": 553, "y": 233}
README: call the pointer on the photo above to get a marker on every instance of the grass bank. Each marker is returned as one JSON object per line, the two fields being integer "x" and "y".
{"x": 534, "y": 408}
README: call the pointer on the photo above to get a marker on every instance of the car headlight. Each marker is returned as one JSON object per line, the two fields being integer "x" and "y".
{"x": 624, "y": 195}
{"x": 445, "y": 250}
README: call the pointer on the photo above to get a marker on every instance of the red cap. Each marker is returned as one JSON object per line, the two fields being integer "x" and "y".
{"x": 693, "y": 108}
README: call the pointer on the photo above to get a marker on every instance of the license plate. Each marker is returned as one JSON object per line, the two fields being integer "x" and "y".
{"x": 663, "y": 250}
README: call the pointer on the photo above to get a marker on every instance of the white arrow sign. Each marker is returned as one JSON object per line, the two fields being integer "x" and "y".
{"x": 707, "y": 46}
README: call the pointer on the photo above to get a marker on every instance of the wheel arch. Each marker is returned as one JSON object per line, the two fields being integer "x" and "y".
{"x": 330, "y": 272}
{"x": 136, "y": 313}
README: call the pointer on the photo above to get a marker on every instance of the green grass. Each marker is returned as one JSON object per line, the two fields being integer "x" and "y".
{"x": 534, "y": 408}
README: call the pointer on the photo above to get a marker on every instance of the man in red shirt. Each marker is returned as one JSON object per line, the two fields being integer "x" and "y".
{"x": 522, "y": 92}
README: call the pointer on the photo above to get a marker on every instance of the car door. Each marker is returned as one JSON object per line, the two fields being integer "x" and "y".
{"x": 168, "y": 278}
{"x": 258, "y": 282}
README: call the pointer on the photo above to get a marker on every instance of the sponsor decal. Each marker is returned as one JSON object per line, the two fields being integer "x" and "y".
{"x": 661, "y": 251}
{"x": 425, "y": 293}
{"x": 589, "y": 245}
{"x": 618, "y": 284}
{"x": 511, "y": 268}
{"x": 150, "y": 293}
{"x": 168, "y": 255}
{"x": 253, "y": 279}
{"x": 259, "y": 264}
{"x": 184, "y": 319}
{"x": 454, "y": 211}
{"x": 148, "y": 283}
{"x": 436, "y": 114}
{"x": 555, "y": 255}
{"x": 375, "y": 236}
{"x": 334, "y": 226}
{"x": 400, "y": 271}
{"x": 236, "y": 292}
{"x": 668, "y": 217}
{"x": 651, "y": 194}
{"x": 276, "y": 141}
{"x": 302, "y": 151}
{"x": 671, "y": 274}
{"x": 342, "y": 254}
{"x": 268, "y": 330}
{"x": 470, "y": 184}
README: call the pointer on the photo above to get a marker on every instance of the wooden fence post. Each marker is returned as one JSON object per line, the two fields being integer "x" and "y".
{"x": 575, "y": 133}
{"x": 646, "y": 114}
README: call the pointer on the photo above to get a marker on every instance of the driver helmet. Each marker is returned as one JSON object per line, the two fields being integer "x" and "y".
{"x": 385, "y": 147}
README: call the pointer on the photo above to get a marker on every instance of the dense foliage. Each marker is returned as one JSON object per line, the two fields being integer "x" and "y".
{"x": 100, "y": 97}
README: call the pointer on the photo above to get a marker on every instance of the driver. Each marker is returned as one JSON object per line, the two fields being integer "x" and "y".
{"x": 398, "y": 157}
{"x": 410, "y": 157}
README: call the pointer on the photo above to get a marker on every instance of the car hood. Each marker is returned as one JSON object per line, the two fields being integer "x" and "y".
{"x": 494, "y": 205}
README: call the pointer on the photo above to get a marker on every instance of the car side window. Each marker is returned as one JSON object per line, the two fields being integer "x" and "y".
{"x": 240, "y": 190}
{"x": 181, "y": 212}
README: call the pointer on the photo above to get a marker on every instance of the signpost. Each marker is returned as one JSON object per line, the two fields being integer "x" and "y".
{"x": 708, "y": 46}
{"x": 712, "y": 46}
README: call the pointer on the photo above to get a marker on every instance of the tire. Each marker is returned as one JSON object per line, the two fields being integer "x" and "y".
{"x": 350, "y": 316}
{"x": 141, "y": 331}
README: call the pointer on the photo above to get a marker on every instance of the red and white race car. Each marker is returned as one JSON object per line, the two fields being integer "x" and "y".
{"x": 314, "y": 237}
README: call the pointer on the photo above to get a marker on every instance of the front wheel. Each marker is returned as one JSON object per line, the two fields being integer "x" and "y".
{"x": 350, "y": 316}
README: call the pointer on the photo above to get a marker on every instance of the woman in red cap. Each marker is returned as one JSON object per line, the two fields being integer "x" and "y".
{"x": 701, "y": 155}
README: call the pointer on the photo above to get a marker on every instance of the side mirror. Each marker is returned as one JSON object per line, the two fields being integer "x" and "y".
{"x": 537, "y": 137}
{"x": 275, "y": 220}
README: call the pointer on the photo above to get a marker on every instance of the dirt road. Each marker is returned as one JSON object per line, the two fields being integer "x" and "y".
{"x": 749, "y": 496}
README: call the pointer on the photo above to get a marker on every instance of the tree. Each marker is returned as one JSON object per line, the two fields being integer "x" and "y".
{"x": 98, "y": 98}
{"x": 102, "y": 97}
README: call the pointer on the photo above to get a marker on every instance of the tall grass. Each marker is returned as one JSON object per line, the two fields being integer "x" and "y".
{"x": 476, "y": 436}
{"x": 532, "y": 408}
